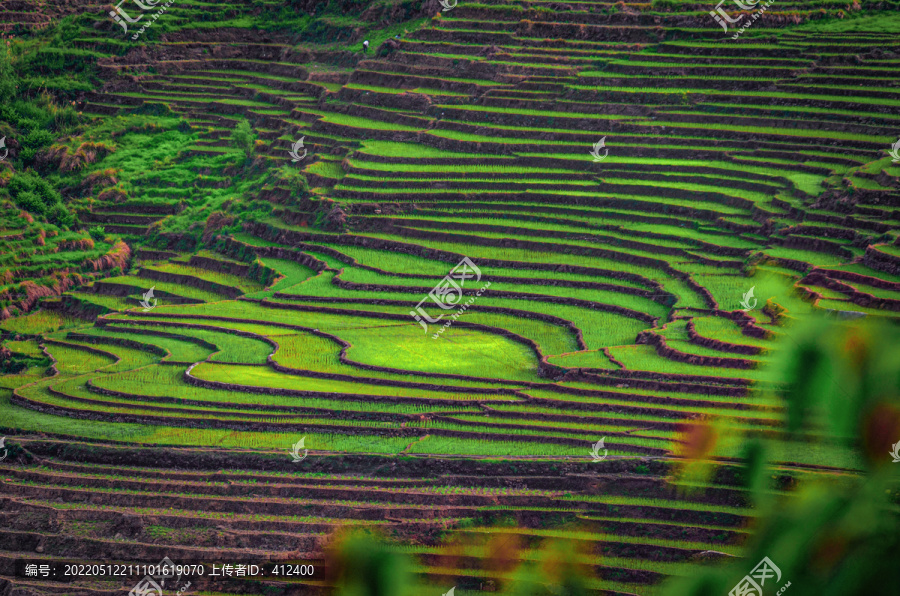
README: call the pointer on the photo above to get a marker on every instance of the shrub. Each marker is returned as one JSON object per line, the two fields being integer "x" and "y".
{"x": 27, "y": 182}
{"x": 61, "y": 216}
{"x": 64, "y": 118}
{"x": 97, "y": 232}
{"x": 30, "y": 201}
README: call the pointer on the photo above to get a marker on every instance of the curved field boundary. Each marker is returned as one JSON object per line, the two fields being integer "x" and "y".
{"x": 146, "y": 254}
{"x": 530, "y": 217}
{"x": 118, "y": 341}
{"x": 212, "y": 422}
{"x": 550, "y": 247}
{"x": 488, "y": 423}
{"x": 179, "y": 408}
{"x": 54, "y": 371}
{"x": 361, "y": 397}
{"x": 815, "y": 245}
{"x": 234, "y": 248}
{"x": 820, "y": 278}
{"x": 270, "y": 360}
{"x": 665, "y": 381}
{"x": 528, "y": 296}
{"x": 295, "y": 410}
{"x": 506, "y": 227}
{"x": 217, "y": 266}
{"x": 340, "y": 343}
{"x": 741, "y": 319}
{"x": 721, "y": 346}
{"x": 109, "y": 288}
{"x": 344, "y": 258}
{"x": 580, "y": 419}
{"x": 112, "y": 356}
{"x": 663, "y": 349}
{"x": 104, "y": 322}
{"x": 190, "y": 280}
{"x": 111, "y": 325}
{"x": 666, "y": 425}
{"x": 572, "y": 210}
{"x": 644, "y": 399}
{"x": 215, "y": 328}
{"x": 859, "y": 278}
{"x": 545, "y": 369}
{"x": 291, "y": 237}
{"x": 567, "y": 324}
{"x": 612, "y": 359}
{"x": 413, "y": 432}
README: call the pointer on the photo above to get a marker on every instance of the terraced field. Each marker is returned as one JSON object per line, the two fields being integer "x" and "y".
{"x": 639, "y": 291}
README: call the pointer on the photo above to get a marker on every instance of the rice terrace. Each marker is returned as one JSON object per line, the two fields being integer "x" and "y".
{"x": 450, "y": 297}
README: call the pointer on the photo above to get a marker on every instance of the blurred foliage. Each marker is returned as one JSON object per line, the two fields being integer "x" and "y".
{"x": 837, "y": 535}
{"x": 361, "y": 565}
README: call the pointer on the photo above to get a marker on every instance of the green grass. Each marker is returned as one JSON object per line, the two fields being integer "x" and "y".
{"x": 74, "y": 361}
{"x": 325, "y": 395}
{"x": 179, "y": 291}
{"x": 41, "y": 321}
{"x": 243, "y": 284}
{"x": 252, "y": 376}
{"x": 292, "y": 273}
{"x": 179, "y": 350}
{"x": 551, "y": 338}
{"x": 20, "y": 418}
{"x": 645, "y": 358}
{"x": 598, "y": 327}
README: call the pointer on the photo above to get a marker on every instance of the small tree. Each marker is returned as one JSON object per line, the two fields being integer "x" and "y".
{"x": 243, "y": 137}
